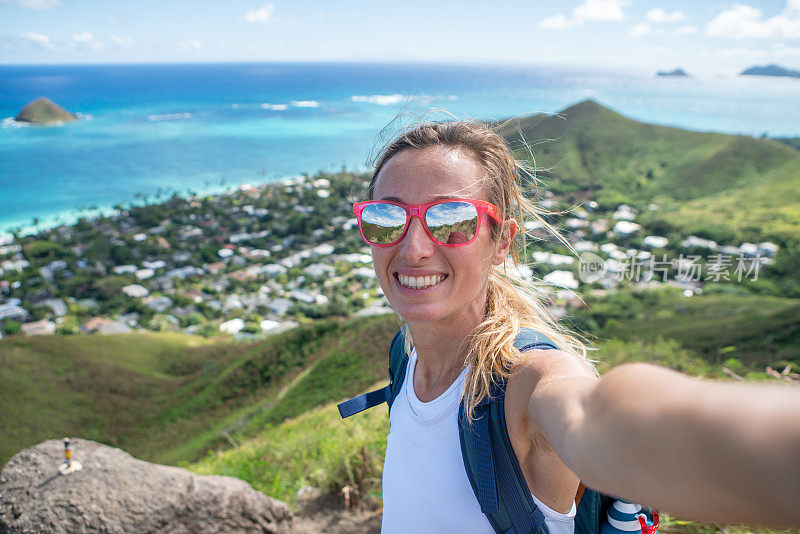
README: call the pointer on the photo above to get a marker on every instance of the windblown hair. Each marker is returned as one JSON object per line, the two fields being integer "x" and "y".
{"x": 512, "y": 303}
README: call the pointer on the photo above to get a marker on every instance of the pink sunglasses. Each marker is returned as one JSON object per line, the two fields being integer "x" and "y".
{"x": 452, "y": 222}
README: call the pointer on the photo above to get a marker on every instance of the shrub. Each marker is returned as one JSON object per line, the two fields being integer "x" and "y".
{"x": 12, "y": 327}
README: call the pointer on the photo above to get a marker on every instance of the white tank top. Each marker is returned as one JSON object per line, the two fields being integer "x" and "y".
{"x": 425, "y": 484}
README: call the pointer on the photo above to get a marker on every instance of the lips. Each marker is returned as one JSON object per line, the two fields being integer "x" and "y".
{"x": 420, "y": 282}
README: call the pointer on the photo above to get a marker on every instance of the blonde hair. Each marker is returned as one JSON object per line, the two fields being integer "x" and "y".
{"x": 511, "y": 303}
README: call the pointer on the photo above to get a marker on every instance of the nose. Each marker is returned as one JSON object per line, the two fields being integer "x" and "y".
{"x": 416, "y": 244}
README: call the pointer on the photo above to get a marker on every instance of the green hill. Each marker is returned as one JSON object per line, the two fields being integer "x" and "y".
{"x": 168, "y": 397}
{"x": 700, "y": 180}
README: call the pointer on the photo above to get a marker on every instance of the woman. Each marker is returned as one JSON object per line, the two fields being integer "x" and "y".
{"x": 444, "y": 215}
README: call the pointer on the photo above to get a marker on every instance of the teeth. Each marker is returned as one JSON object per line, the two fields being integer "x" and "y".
{"x": 420, "y": 282}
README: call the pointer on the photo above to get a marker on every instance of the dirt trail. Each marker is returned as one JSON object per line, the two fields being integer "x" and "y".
{"x": 327, "y": 514}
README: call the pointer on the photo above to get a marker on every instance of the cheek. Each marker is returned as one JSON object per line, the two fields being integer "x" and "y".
{"x": 380, "y": 262}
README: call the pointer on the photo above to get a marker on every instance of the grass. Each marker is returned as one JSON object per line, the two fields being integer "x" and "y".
{"x": 757, "y": 330}
{"x": 168, "y": 397}
{"x": 316, "y": 448}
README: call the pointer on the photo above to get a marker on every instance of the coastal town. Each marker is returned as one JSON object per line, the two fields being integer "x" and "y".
{"x": 262, "y": 259}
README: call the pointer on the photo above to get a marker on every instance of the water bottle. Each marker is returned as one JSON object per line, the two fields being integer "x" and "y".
{"x": 626, "y": 518}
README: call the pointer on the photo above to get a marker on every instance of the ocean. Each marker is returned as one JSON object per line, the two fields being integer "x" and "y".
{"x": 148, "y": 131}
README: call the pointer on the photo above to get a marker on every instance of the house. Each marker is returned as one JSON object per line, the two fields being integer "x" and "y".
{"x": 114, "y": 327}
{"x": 280, "y": 307}
{"x": 585, "y": 246}
{"x": 135, "y": 291}
{"x": 364, "y": 272}
{"x": 561, "y": 279}
{"x": 355, "y": 258}
{"x": 144, "y": 274}
{"x": 155, "y": 265}
{"x": 57, "y": 306}
{"x": 216, "y": 267}
{"x": 159, "y": 304}
{"x": 234, "y": 326}
{"x": 125, "y": 269}
{"x": 39, "y": 328}
{"x": 319, "y": 270}
{"x": 768, "y": 249}
{"x": 94, "y": 323}
{"x": 624, "y": 213}
{"x": 698, "y": 242}
{"x": 655, "y": 241}
{"x": 624, "y": 228}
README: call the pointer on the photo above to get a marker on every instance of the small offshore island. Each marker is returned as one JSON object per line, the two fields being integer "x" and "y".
{"x": 44, "y": 111}
{"x": 678, "y": 72}
{"x": 770, "y": 70}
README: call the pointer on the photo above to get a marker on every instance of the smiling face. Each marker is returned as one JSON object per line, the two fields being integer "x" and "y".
{"x": 426, "y": 282}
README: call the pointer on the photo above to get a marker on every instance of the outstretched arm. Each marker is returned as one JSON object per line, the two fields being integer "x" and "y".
{"x": 704, "y": 450}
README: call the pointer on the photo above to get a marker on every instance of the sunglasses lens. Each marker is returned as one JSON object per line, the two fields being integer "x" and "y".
{"x": 452, "y": 223}
{"x": 382, "y": 224}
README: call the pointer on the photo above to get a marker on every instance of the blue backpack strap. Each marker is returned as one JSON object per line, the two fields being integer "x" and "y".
{"x": 492, "y": 467}
{"x": 528, "y": 339}
{"x": 591, "y": 512}
{"x": 397, "y": 368}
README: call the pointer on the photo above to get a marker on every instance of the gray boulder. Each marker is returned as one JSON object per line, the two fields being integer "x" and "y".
{"x": 115, "y": 492}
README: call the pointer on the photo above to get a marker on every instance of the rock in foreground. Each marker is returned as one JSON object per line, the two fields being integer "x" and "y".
{"x": 115, "y": 492}
{"x": 44, "y": 111}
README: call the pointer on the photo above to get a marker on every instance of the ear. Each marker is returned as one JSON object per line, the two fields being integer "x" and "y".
{"x": 507, "y": 234}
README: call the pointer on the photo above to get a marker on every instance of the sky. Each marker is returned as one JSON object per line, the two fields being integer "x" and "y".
{"x": 701, "y": 37}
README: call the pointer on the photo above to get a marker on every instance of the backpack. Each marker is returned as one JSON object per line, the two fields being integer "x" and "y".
{"x": 491, "y": 465}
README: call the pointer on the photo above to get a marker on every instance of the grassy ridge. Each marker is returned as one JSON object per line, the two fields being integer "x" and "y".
{"x": 167, "y": 397}
{"x": 756, "y": 330}
{"x": 701, "y": 180}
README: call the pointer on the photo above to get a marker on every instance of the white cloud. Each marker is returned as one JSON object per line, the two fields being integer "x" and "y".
{"x": 659, "y": 15}
{"x": 39, "y": 39}
{"x": 640, "y": 30}
{"x": 86, "y": 39}
{"x": 558, "y": 22}
{"x": 603, "y": 10}
{"x": 262, "y": 14}
{"x": 190, "y": 46}
{"x": 83, "y": 37}
{"x": 600, "y": 10}
{"x": 37, "y": 5}
{"x": 742, "y": 21}
{"x": 123, "y": 42}
{"x": 686, "y": 30}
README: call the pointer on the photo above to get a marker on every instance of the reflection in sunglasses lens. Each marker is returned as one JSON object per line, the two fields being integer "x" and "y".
{"x": 452, "y": 223}
{"x": 383, "y": 223}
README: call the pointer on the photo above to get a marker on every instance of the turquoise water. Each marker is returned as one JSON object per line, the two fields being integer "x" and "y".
{"x": 157, "y": 129}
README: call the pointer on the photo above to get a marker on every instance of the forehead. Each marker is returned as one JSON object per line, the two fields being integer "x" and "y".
{"x": 416, "y": 176}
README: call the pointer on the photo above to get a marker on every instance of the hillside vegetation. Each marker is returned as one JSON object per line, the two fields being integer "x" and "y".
{"x": 168, "y": 397}
{"x": 702, "y": 182}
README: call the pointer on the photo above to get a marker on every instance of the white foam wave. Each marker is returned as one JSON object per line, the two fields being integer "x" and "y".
{"x": 274, "y": 107}
{"x": 9, "y": 122}
{"x": 305, "y": 103}
{"x": 381, "y": 100}
{"x": 169, "y": 117}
